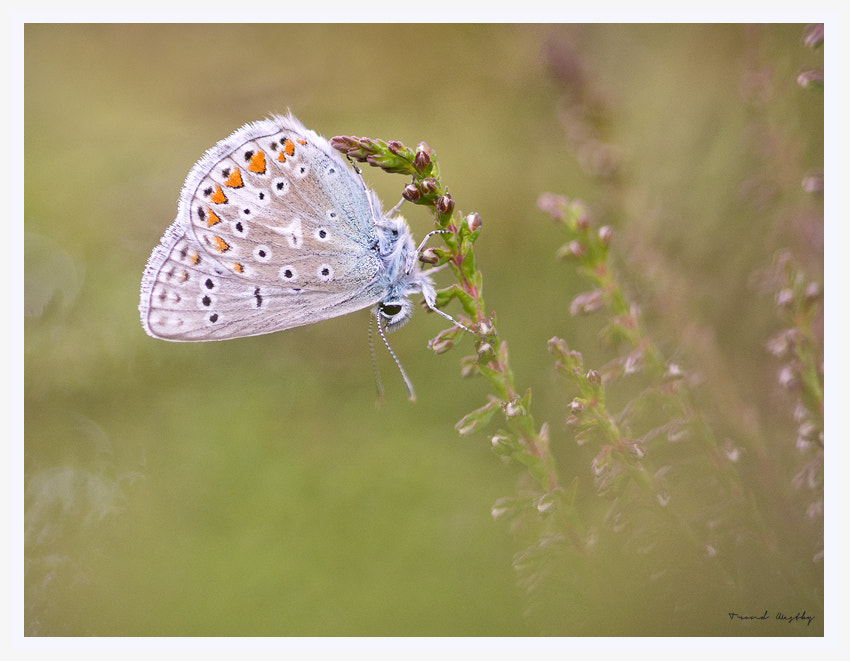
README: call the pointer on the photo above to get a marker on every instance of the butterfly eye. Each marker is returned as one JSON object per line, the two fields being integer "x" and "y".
{"x": 395, "y": 315}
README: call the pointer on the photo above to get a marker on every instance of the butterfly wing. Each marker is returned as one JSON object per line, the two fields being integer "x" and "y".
{"x": 273, "y": 231}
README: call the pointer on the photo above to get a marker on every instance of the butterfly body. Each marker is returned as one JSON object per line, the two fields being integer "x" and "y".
{"x": 274, "y": 230}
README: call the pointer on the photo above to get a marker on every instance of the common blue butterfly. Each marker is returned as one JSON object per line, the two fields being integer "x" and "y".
{"x": 274, "y": 230}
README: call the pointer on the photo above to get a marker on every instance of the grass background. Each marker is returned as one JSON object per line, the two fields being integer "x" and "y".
{"x": 251, "y": 487}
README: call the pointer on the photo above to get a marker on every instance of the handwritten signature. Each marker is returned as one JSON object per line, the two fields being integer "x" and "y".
{"x": 799, "y": 617}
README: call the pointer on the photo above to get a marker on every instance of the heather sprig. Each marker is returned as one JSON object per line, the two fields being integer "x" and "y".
{"x": 799, "y": 348}
{"x": 519, "y": 439}
{"x": 798, "y": 345}
{"x": 623, "y": 438}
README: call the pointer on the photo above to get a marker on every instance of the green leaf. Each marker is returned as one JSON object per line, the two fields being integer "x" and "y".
{"x": 477, "y": 418}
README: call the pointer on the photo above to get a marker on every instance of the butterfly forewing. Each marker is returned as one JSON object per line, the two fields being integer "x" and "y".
{"x": 273, "y": 231}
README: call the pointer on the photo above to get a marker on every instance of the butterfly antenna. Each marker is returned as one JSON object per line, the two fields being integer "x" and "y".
{"x": 410, "y": 394}
{"x": 375, "y": 363}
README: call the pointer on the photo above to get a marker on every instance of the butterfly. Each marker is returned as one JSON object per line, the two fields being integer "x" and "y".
{"x": 273, "y": 231}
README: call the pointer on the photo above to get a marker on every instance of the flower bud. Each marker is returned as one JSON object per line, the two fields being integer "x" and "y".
{"x": 587, "y": 303}
{"x": 812, "y": 292}
{"x": 370, "y": 145}
{"x": 583, "y": 223}
{"x": 552, "y": 204}
{"x": 485, "y": 350}
{"x": 473, "y": 221}
{"x": 342, "y": 142}
{"x": 512, "y": 409}
{"x": 350, "y": 146}
{"x": 787, "y": 378}
{"x": 445, "y": 204}
{"x": 430, "y": 255}
{"x": 422, "y": 160}
{"x": 731, "y": 451}
{"x": 411, "y": 193}
{"x": 784, "y": 298}
{"x": 441, "y": 344}
{"x": 577, "y": 248}
{"x": 813, "y": 182}
{"x": 813, "y": 35}
{"x": 810, "y": 77}
{"x": 428, "y": 186}
{"x": 484, "y": 327}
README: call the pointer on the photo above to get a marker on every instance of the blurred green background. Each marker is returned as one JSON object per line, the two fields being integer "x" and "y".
{"x": 252, "y": 487}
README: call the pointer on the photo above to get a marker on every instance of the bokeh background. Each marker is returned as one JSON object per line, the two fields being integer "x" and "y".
{"x": 252, "y": 487}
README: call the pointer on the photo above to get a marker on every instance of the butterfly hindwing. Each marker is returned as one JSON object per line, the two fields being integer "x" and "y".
{"x": 273, "y": 231}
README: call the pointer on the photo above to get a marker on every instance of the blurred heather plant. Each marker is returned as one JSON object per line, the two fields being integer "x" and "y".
{"x": 676, "y": 526}
{"x": 799, "y": 346}
{"x": 674, "y": 484}
{"x": 668, "y": 487}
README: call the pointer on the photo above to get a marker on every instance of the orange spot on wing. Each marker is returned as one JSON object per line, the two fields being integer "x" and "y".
{"x": 212, "y": 219}
{"x": 238, "y": 267}
{"x": 220, "y": 244}
{"x": 195, "y": 258}
{"x": 234, "y": 180}
{"x": 217, "y": 196}
{"x": 258, "y": 163}
{"x": 302, "y": 142}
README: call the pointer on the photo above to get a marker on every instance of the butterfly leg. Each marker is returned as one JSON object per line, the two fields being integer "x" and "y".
{"x": 392, "y": 212}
